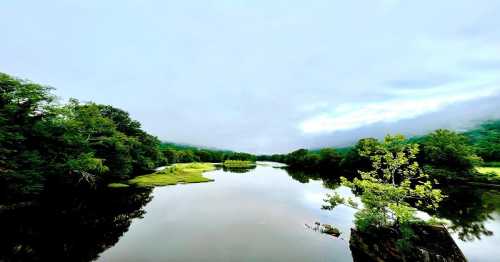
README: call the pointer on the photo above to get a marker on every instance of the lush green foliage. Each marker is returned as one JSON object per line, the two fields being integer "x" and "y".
{"x": 176, "y": 153}
{"x": 493, "y": 171}
{"x": 392, "y": 190}
{"x": 486, "y": 140}
{"x": 449, "y": 150}
{"x": 325, "y": 159}
{"x": 42, "y": 142}
{"x": 238, "y": 164}
{"x": 178, "y": 173}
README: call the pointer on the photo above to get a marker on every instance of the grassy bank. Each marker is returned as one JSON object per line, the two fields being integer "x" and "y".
{"x": 176, "y": 174}
{"x": 489, "y": 171}
{"x": 118, "y": 185}
{"x": 238, "y": 164}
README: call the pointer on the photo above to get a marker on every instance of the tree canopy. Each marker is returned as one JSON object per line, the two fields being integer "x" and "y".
{"x": 486, "y": 140}
{"x": 447, "y": 149}
{"x": 392, "y": 190}
{"x": 42, "y": 141}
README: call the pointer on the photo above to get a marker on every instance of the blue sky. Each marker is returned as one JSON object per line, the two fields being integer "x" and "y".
{"x": 265, "y": 76}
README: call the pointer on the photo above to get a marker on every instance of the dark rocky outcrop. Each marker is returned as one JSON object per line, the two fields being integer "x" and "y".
{"x": 431, "y": 244}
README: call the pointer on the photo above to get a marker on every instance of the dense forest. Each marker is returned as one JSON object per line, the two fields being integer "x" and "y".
{"x": 178, "y": 153}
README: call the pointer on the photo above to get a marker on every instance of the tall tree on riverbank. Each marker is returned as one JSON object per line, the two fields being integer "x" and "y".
{"x": 445, "y": 149}
{"x": 23, "y": 105}
{"x": 392, "y": 190}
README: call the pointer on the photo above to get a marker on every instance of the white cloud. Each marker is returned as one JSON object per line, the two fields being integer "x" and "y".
{"x": 411, "y": 105}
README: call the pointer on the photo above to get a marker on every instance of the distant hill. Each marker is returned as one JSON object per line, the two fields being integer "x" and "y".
{"x": 180, "y": 146}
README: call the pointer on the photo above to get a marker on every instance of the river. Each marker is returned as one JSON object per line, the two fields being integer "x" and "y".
{"x": 262, "y": 214}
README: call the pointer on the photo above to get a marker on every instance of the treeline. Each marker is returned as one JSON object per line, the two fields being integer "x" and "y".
{"x": 440, "y": 152}
{"x": 43, "y": 143}
{"x": 176, "y": 153}
{"x": 486, "y": 141}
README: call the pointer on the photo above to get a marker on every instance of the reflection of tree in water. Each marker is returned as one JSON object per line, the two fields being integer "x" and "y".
{"x": 238, "y": 169}
{"x": 468, "y": 209}
{"x": 69, "y": 226}
{"x": 329, "y": 180}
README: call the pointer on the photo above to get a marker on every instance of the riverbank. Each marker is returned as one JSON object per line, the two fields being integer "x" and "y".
{"x": 489, "y": 170}
{"x": 175, "y": 174}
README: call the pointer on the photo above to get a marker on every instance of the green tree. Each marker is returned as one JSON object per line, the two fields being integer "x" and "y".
{"x": 392, "y": 191}
{"x": 356, "y": 158}
{"x": 329, "y": 159}
{"x": 448, "y": 150}
{"x": 170, "y": 155}
{"x": 486, "y": 140}
{"x": 42, "y": 142}
{"x": 23, "y": 105}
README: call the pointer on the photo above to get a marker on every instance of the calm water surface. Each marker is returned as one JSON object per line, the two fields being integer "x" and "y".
{"x": 257, "y": 215}
{"x": 260, "y": 215}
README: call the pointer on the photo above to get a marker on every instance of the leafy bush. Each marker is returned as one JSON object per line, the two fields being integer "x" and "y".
{"x": 392, "y": 190}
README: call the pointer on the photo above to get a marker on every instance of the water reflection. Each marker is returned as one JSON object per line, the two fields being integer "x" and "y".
{"x": 331, "y": 181}
{"x": 256, "y": 216}
{"x": 468, "y": 209}
{"x": 238, "y": 169}
{"x": 69, "y": 226}
{"x": 472, "y": 213}
{"x": 259, "y": 216}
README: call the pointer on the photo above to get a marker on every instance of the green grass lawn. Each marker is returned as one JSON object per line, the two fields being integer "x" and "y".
{"x": 489, "y": 171}
{"x": 176, "y": 174}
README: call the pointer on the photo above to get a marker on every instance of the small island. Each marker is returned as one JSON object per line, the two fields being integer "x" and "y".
{"x": 239, "y": 164}
{"x": 175, "y": 174}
